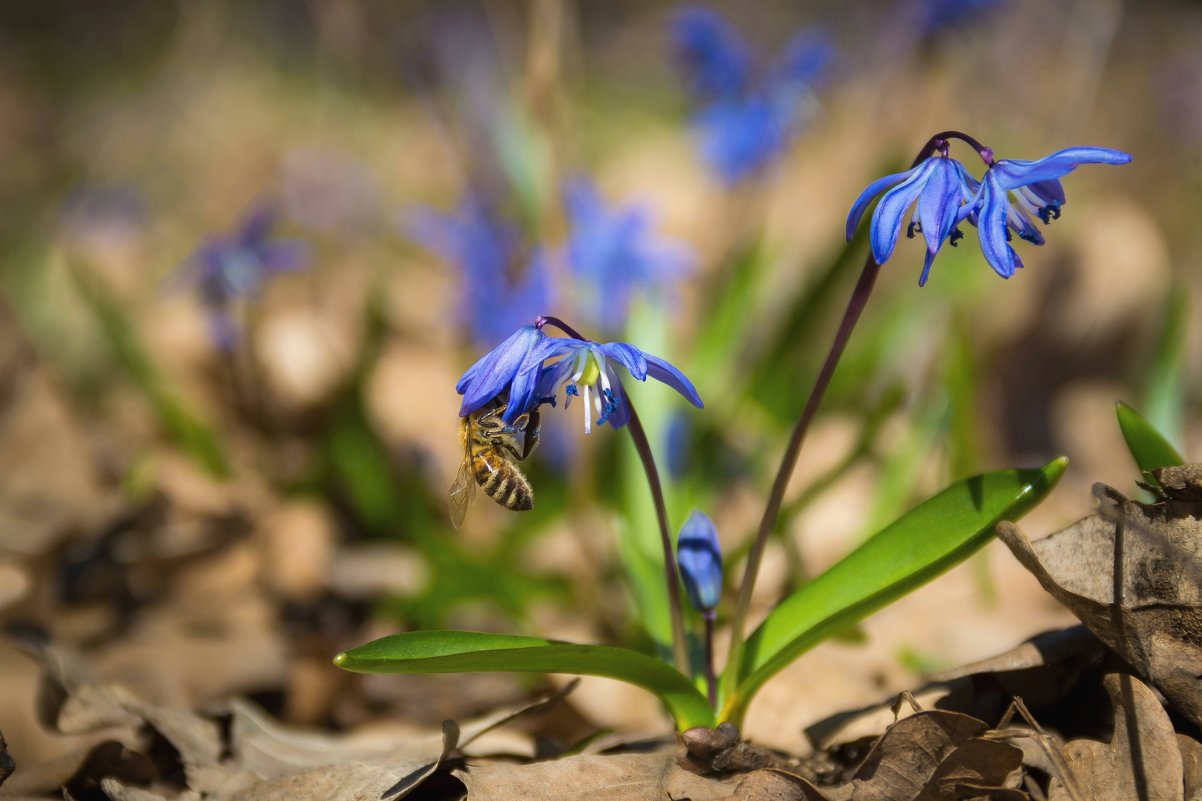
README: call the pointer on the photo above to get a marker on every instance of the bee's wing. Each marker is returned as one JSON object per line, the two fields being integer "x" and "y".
{"x": 462, "y": 493}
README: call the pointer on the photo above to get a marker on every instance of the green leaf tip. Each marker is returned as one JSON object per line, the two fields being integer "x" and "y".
{"x": 340, "y": 660}
{"x": 1148, "y": 447}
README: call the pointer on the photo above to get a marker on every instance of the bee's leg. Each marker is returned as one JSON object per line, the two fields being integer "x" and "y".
{"x": 530, "y": 439}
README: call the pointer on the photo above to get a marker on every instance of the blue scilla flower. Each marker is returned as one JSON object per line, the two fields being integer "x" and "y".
{"x": 513, "y": 367}
{"x": 938, "y": 189}
{"x": 614, "y": 250}
{"x": 748, "y": 116}
{"x": 588, "y": 370}
{"x": 495, "y": 298}
{"x": 700, "y": 561}
{"x": 1005, "y": 202}
{"x": 225, "y": 269}
{"x": 1014, "y": 191}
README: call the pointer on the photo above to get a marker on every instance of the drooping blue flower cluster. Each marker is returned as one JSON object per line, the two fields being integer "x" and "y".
{"x": 749, "y": 113}
{"x": 699, "y": 558}
{"x": 497, "y": 291}
{"x": 225, "y": 269}
{"x": 519, "y": 366}
{"x": 615, "y": 252}
{"x": 1002, "y": 204}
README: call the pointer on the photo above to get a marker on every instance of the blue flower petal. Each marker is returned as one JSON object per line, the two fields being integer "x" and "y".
{"x": 874, "y": 189}
{"x": 887, "y": 218}
{"x": 495, "y": 371}
{"x": 524, "y": 392}
{"x": 630, "y": 357}
{"x": 1013, "y": 174}
{"x": 665, "y": 373}
{"x": 937, "y": 205}
{"x": 992, "y": 224}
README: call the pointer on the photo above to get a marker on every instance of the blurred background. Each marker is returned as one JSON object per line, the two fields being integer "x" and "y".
{"x": 248, "y": 249}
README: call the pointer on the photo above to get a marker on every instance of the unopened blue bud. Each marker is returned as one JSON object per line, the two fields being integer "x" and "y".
{"x": 700, "y": 560}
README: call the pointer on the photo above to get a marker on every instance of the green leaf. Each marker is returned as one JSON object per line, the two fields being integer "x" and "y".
{"x": 1148, "y": 446}
{"x": 920, "y": 545}
{"x": 1164, "y": 391}
{"x": 477, "y": 652}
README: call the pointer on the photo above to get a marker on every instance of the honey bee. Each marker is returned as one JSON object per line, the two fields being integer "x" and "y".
{"x": 491, "y": 447}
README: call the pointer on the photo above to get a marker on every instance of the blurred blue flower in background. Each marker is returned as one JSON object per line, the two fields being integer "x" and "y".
{"x": 225, "y": 269}
{"x": 748, "y": 116}
{"x": 930, "y": 17}
{"x": 614, "y": 250}
{"x": 587, "y": 369}
{"x": 699, "y": 558}
{"x": 1036, "y": 189}
{"x": 494, "y": 298}
{"x": 512, "y": 367}
{"x": 678, "y": 444}
{"x": 937, "y": 188}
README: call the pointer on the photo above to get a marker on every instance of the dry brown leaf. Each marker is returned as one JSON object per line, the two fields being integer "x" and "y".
{"x": 84, "y": 766}
{"x": 619, "y": 777}
{"x": 1181, "y": 482}
{"x": 1040, "y": 669}
{"x": 1191, "y": 766}
{"x": 778, "y": 785}
{"x": 1141, "y": 762}
{"x": 263, "y": 760}
{"x": 920, "y": 757}
{"x": 1150, "y": 609}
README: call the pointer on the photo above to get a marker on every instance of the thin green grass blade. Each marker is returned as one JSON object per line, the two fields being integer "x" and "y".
{"x": 187, "y": 430}
{"x": 923, "y": 543}
{"x": 478, "y": 652}
{"x": 1148, "y": 447}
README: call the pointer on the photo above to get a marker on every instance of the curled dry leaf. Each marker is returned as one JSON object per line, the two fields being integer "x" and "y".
{"x": 1141, "y": 761}
{"x": 930, "y": 755}
{"x": 1137, "y": 585}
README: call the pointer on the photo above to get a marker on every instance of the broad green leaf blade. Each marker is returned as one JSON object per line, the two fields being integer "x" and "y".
{"x": 920, "y": 545}
{"x": 478, "y": 652}
{"x": 1148, "y": 446}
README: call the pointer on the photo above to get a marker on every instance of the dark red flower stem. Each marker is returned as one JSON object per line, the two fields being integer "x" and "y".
{"x": 855, "y": 307}
{"x": 711, "y": 679}
{"x": 642, "y": 446}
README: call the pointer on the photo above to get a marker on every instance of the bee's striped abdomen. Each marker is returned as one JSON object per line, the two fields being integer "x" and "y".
{"x": 501, "y": 480}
